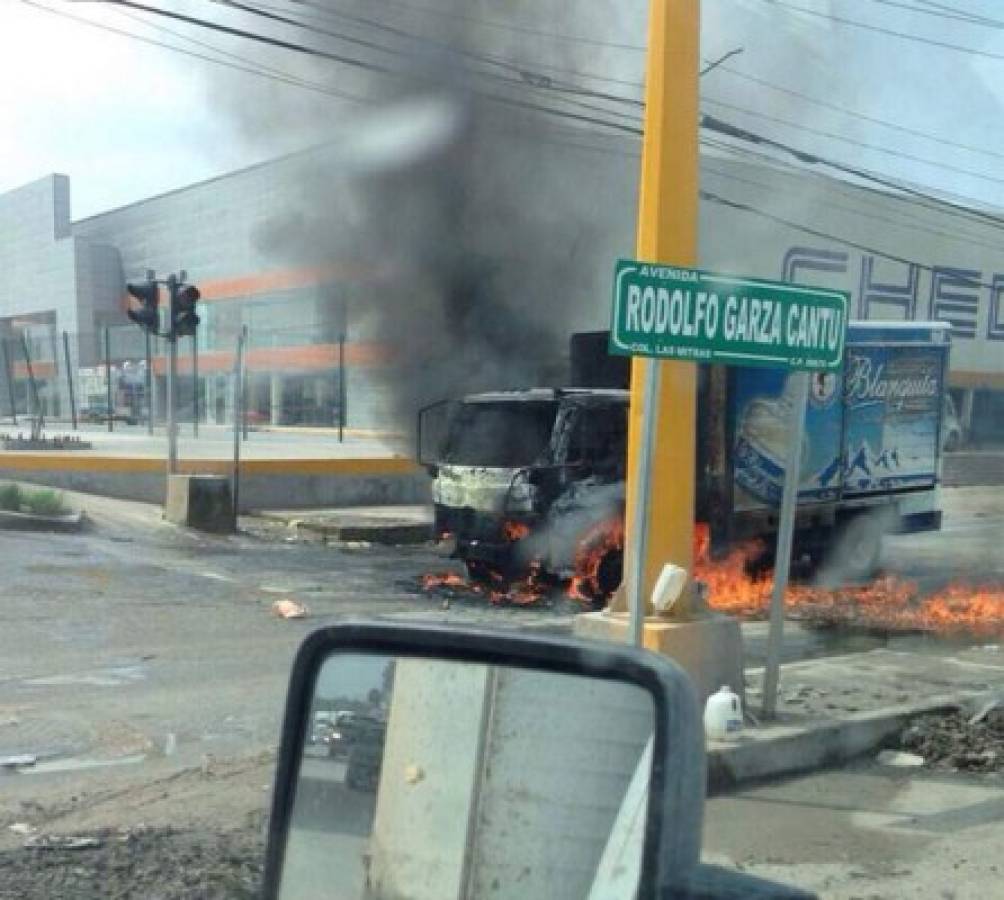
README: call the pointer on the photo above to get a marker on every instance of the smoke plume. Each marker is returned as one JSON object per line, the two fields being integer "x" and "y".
{"x": 464, "y": 231}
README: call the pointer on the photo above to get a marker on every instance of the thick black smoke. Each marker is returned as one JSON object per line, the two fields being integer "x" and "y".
{"x": 476, "y": 234}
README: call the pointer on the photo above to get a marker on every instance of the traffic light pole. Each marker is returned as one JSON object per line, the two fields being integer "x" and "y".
{"x": 238, "y": 400}
{"x": 9, "y": 373}
{"x": 182, "y": 321}
{"x": 149, "y": 385}
{"x": 172, "y": 378}
{"x": 195, "y": 385}
{"x": 69, "y": 379}
{"x": 172, "y": 416}
{"x": 108, "y": 379}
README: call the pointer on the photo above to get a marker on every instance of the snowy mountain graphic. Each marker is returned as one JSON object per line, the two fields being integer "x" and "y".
{"x": 863, "y": 464}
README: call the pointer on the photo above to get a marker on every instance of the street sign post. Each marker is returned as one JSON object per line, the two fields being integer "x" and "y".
{"x": 668, "y": 312}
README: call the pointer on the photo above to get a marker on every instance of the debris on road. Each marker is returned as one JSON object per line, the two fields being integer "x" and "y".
{"x": 17, "y": 762}
{"x": 63, "y": 842}
{"x": 289, "y": 609}
{"x": 899, "y": 759}
{"x": 141, "y": 862}
{"x": 21, "y": 828}
{"x": 986, "y": 708}
{"x": 955, "y": 741}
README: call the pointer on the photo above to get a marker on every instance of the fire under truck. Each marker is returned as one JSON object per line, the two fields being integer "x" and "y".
{"x": 534, "y": 480}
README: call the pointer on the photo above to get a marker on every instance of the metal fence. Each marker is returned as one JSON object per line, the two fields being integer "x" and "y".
{"x": 291, "y": 377}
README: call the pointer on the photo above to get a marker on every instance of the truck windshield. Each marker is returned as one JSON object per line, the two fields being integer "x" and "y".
{"x": 510, "y": 433}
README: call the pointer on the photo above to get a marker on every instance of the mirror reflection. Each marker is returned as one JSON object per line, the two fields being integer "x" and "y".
{"x": 426, "y": 779}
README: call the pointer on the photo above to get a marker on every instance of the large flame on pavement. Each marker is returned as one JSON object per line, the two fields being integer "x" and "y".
{"x": 887, "y": 603}
{"x": 497, "y": 588}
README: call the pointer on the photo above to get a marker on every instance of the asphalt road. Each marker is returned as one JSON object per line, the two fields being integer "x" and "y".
{"x": 136, "y": 651}
{"x": 867, "y": 831}
{"x": 135, "y": 637}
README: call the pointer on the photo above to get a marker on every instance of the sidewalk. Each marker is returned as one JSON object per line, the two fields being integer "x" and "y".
{"x": 217, "y": 443}
{"x": 394, "y": 525}
{"x": 835, "y": 708}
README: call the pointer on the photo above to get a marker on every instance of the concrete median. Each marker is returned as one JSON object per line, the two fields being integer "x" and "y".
{"x": 278, "y": 483}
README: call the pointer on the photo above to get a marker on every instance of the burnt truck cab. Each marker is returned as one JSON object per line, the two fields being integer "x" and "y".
{"x": 531, "y": 478}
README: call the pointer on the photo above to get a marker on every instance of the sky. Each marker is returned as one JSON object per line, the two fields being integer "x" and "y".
{"x": 126, "y": 120}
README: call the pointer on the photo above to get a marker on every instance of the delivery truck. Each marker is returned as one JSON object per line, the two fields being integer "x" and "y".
{"x": 534, "y": 480}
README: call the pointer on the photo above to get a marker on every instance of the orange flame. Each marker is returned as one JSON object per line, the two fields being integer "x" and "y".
{"x": 515, "y": 531}
{"x": 443, "y": 579}
{"x": 887, "y": 603}
{"x": 498, "y": 589}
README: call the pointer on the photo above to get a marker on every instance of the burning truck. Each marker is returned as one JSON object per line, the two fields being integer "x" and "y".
{"x": 531, "y": 483}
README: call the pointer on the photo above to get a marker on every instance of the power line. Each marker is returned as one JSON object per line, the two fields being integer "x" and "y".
{"x": 907, "y": 223}
{"x": 710, "y": 66}
{"x": 251, "y": 35}
{"x": 525, "y": 79}
{"x": 707, "y": 195}
{"x": 275, "y": 17}
{"x": 539, "y": 82}
{"x": 942, "y": 12}
{"x": 753, "y": 209}
{"x": 976, "y": 18}
{"x": 714, "y": 124}
{"x": 817, "y": 232}
{"x": 922, "y": 201}
{"x": 890, "y": 32}
{"x": 885, "y": 123}
{"x": 372, "y": 67}
{"x": 324, "y": 13}
{"x": 279, "y": 74}
{"x": 877, "y": 148}
{"x": 503, "y": 26}
{"x": 910, "y": 204}
{"x": 708, "y": 122}
{"x": 281, "y": 77}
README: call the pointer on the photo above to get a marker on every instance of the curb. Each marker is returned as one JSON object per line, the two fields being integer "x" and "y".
{"x": 21, "y": 521}
{"x": 793, "y": 749}
{"x": 392, "y": 534}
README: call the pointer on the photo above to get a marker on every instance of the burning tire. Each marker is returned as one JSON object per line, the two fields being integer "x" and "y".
{"x": 603, "y": 578}
{"x": 478, "y": 570}
{"x": 608, "y": 577}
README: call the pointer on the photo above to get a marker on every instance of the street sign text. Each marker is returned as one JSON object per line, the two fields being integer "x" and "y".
{"x": 673, "y": 313}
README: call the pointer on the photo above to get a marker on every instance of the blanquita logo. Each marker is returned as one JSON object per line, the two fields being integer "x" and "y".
{"x": 867, "y": 383}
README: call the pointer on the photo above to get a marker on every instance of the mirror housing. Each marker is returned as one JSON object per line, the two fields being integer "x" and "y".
{"x": 672, "y": 831}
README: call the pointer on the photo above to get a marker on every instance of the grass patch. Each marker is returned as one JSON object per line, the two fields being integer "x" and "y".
{"x": 44, "y": 503}
{"x": 10, "y": 498}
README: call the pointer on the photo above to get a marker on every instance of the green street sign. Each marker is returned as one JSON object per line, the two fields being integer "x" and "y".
{"x": 672, "y": 313}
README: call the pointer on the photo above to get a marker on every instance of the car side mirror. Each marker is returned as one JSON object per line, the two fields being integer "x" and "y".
{"x": 430, "y": 762}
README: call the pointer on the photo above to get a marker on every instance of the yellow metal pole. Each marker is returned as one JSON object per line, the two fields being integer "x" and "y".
{"x": 667, "y": 233}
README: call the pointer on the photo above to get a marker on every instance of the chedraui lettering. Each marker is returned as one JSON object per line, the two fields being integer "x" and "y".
{"x": 666, "y": 312}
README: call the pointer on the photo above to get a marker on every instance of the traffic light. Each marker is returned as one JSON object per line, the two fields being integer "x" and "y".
{"x": 184, "y": 320}
{"x": 147, "y": 315}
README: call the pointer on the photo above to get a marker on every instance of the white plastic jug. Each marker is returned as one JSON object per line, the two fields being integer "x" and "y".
{"x": 723, "y": 715}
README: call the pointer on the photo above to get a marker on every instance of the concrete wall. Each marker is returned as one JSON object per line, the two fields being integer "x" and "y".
{"x": 261, "y": 487}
